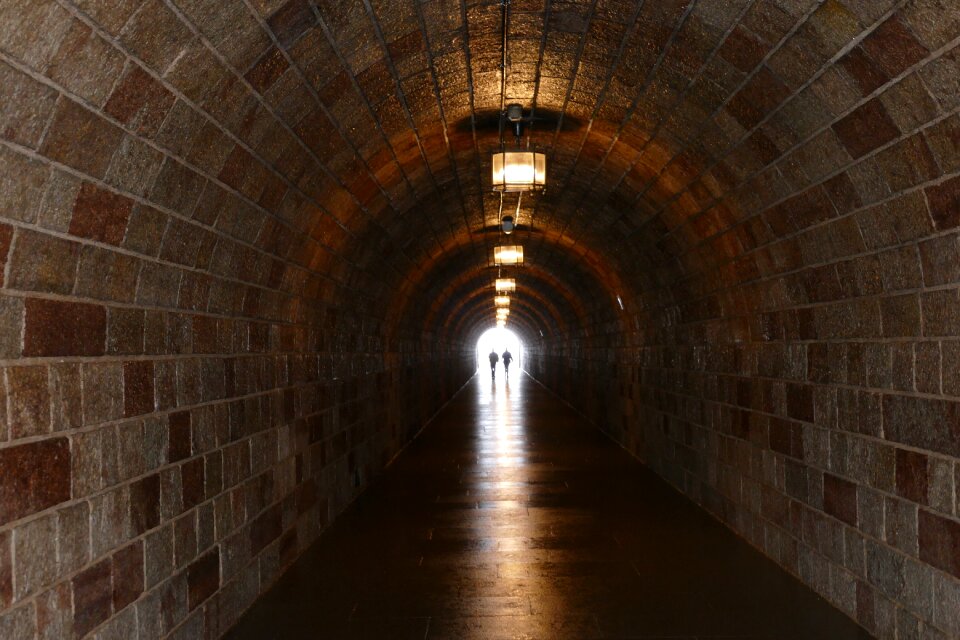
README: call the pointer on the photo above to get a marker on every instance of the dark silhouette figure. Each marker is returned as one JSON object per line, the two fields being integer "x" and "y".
{"x": 507, "y": 359}
{"x": 494, "y": 358}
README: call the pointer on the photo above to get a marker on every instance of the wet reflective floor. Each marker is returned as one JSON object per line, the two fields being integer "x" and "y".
{"x": 510, "y": 517}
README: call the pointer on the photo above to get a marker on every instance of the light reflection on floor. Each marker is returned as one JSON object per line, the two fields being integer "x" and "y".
{"x": 508, "y": 519}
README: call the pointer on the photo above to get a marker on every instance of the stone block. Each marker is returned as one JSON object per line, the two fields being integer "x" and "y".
{"x": 73, "y": 537}
{"x": 55, "y": 613}
{"x": 156, "y": 35}
{"x": 28, "y": 401}
{"x": 939, "y": 539}
{"x": 110, "y": 520}
{"x": 81, "y": 139}
{"x": 140, "y": 102}
{"x": 185, "y": 539}
{"x": 138, "y": 395}
{"x": 145, "y": 504}
{"x": 18, "y": 623}
{"x": 912, "y": 476}
{"x": 39, "y": 262}
{"x": 128, "y": 572}
{"x": 37, "y": 477}
{"x": 102, "y": 392}
{"x": 35, "y": 556}
{"x": 85, "y": 64}
{"x": 145, "y": 230}
{"x": 107, "y": 275}
{"x": 158, "y": 548}
{"x": 92, "y": 597}
{"x": 26, "y": 109}
{"x": 866, "y": 128}
{"x": 55, "y": 328}
{"x": 100, "y": 215}
{"x": 203, "y": 578}
{"x": 840, "y": 498}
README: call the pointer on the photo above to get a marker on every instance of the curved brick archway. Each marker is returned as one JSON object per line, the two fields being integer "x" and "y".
{"x": 233, "y": 234}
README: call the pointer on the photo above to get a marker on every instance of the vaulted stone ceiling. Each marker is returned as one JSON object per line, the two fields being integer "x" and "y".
{"x": 676, "y": 131}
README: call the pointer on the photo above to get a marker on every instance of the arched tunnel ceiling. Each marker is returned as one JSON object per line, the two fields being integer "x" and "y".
{"x": 692, "y": 145}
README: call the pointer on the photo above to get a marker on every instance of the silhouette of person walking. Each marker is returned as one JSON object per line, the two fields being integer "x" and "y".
{"x": 494, "y": 358}
{"x": 507, "y": 359}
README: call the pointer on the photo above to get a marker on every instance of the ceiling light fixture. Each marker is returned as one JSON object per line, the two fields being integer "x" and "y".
{"x": 506, "y": 284}
{"x": 502, "y": 301}
{"x": 508, "y": 254}
{"x": 502, "y": 313}
{"x": 519, "y": 171}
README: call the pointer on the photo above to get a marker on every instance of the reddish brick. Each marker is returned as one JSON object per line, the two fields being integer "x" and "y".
{"x": 92, "y": 597}
{"x": 406, "y": 46}
{"x": 179, "y": 436}
{"x": 267, "y": 70}
{"x": 100, "y": 215}
{"x": 800, "y": 402}
{"x": 137, "y": 388}
{"x": 940, "y": 542}
{"x": 758, "y": 98}
{"x": 145, "y": 504}
{"x": 6, "y": 571}
{"x": 866, "y": 129}
{"x": 127, "y": 575}
{"x": 291, "y": 21}
{"x": 840, "y": 498}
{"x": 55, "y": 328}
{"x": 140, "y": 102}
{"x": 743, "y": 50}
{"x": 894, "y": 47}
{"x": 944, "y": 201}
{"x": 911, "y": 474}
{"x": 35, "y": 476}
{"x": 786, "y": 437}
{"x": 6, "y": 236}
{"x": 203, "y": 578}
{"x": 867, "y": 73}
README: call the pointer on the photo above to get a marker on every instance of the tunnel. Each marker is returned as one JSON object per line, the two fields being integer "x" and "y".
{"x": 247, "y": 252}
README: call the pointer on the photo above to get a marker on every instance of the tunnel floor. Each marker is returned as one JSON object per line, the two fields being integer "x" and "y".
{"x": 511, "y": 517}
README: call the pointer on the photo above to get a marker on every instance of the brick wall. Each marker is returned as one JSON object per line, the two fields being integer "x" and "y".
{"x": 792, "y": 362}
{"x": 193, "y": 378}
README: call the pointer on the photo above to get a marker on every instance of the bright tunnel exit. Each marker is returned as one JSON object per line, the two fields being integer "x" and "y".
{"x": 499, "y": 340}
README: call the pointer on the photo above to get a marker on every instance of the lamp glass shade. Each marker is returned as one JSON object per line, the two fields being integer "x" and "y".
{"x": 508, "y": 254}
{"x": 506, "y": 284}
{"x": 519, "y": 171}
{"x": 502, "y": 301}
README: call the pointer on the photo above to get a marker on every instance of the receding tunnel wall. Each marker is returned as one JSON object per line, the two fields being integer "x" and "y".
{"x": 246, "y": 253}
